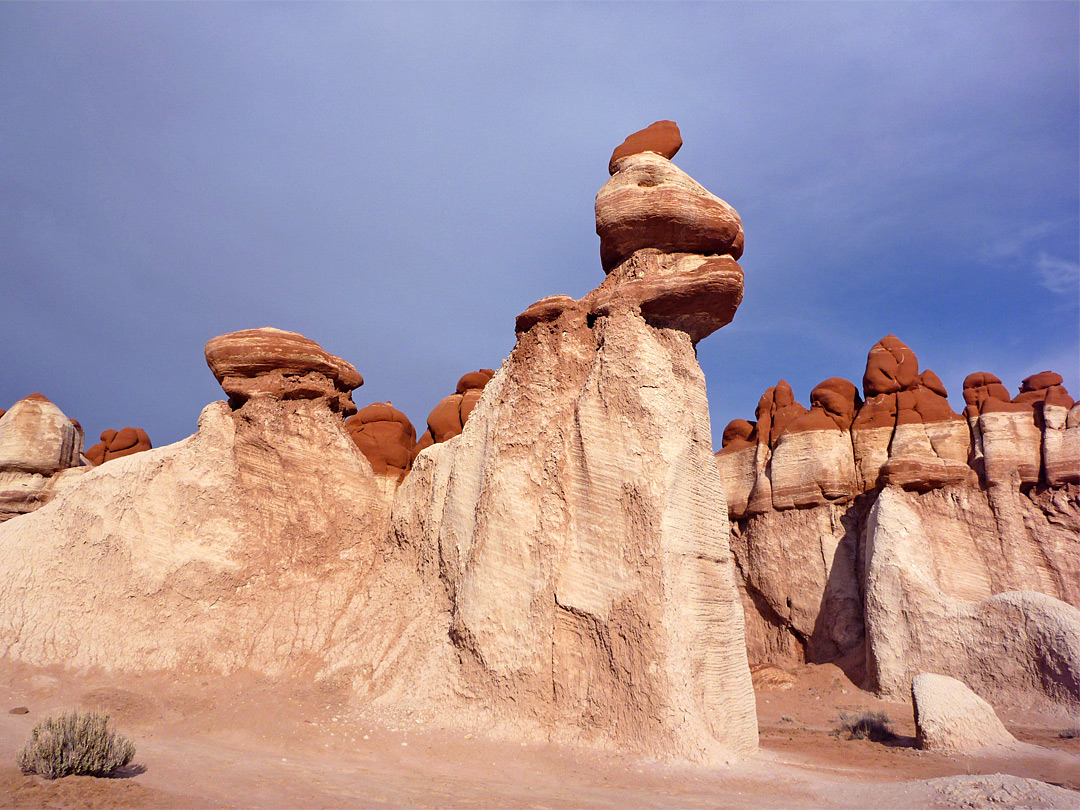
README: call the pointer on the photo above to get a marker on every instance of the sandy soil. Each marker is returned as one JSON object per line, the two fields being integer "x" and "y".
{"x": 239, "y": 742}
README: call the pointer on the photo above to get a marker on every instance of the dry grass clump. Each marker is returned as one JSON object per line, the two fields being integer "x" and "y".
{"x": 75, "y": 743}
{"x": 864, "y": 725}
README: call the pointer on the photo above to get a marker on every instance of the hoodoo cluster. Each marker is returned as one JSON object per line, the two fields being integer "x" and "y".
{"x": 904, "y": 433}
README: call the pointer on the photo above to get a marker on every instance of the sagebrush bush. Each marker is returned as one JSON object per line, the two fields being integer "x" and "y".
{"x": 76, "y": 743}
{"x": 1070, "y": 733}
{"x": 865, "y": 725}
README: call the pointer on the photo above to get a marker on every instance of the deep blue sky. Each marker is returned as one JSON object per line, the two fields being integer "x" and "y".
{"x": 398, "y": 181}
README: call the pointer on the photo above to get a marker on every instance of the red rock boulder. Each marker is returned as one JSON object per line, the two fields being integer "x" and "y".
{"x": 385, "y": 436}
{"x": 117, "y": 444}
{"x": 448, "y": 418}
{"x": 661, "y": 137}
{"x": 906, "y": 433}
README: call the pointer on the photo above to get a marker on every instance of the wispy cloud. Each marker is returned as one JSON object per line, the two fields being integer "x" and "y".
{"x": 1017, "y": 244}
{"x": 1058, "y": 275}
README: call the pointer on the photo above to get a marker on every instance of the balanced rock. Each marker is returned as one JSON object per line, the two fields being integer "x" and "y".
{"x": 669, "y": 248}
{"x": 385, "y": 436}
{"x": 950, "y": 717}
{"x": 651, "y": 203}
{"x": 282, "y": 365}
{"x": 661, "y": 137}
{"x": 118, "y": 444}
{"x": 37, "y": 443}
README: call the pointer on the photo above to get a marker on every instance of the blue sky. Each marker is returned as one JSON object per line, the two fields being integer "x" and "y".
{"x": 398, "y": 181}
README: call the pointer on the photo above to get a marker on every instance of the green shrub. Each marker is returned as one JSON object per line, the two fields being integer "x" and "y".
{"x": 865, "y": 725}
{"x": 75, "y": 743}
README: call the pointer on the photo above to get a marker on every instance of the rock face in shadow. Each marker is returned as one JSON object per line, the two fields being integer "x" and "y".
{"x": 38, "y": 445}
{"x": 1013, "y": 644}
{"x": 995, "y": 497}
{"x": 950, "y": 717}
{"x": 118, "y": 444}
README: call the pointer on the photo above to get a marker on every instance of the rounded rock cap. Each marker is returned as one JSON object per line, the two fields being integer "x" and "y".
{"x": 661, "y": 137}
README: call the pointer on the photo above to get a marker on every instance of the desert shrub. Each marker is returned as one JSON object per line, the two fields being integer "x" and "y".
{"x": 1070, "y": 733}
{"x": 864, "y": 725}
{"x": 75, "y": 743}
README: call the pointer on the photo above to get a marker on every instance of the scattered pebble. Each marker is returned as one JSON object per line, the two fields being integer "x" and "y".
{"x": 19, "y": 710}
{"x": 366, "y": 737}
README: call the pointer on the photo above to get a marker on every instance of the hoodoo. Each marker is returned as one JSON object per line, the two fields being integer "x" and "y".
{"x": 578, "y": 520}
{"x": 554, "y": 566}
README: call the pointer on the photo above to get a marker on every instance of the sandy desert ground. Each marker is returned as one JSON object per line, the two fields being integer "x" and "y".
{"x": 238, "y": 742}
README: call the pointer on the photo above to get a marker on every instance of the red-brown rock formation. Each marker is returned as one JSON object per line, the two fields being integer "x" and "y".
{"x": 906, "y": 433}
{"x": 270, "y": 362}
{"x": 448, "y": 418}
{"x": 579, "y": 499}
{"x": 385, "y": 436}
{"x": 983, "y": 393}
{"x": 1006, "y": 439}
{"x": 661, "y": 137}
{"x": 117, "y": 444}
{"x": 1046, "y": 386}
{"x": 981, "y": 549}
{"x": 812, "y": 461}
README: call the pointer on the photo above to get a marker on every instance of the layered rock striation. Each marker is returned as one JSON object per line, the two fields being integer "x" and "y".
{"x": 39, "y": 444}
{"x": 990, "y": 495}
{"x": 256, "y": 544}
{"x": 577, "y": 520}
